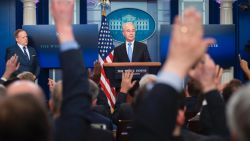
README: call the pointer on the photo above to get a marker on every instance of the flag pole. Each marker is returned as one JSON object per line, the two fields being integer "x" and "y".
{"x": 105, "y": 44}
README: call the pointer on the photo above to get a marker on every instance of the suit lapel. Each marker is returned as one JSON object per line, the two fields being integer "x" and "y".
{"x": 31, "y": 54}
{"x": 124, "y": 52}
{"x": 135, "y": 50}
{"x": 20, "y": 52}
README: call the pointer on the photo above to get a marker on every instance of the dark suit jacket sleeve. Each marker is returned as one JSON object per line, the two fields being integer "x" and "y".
{"x": 9, "y": 53}
{"x": 121, "y": 98}
{"x": 72, "y": 123}
{"x": 216, "y": 110}
{"x": 2, "y": 81}
{"x": 115, "y": 58}
{"x": 36, "y": 64}
{"x": 156, "y": 115}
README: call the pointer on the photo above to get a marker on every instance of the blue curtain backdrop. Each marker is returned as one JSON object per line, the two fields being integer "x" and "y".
{"x": 8, "y": 25}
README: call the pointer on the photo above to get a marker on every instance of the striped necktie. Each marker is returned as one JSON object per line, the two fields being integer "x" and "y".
{"x": 25, "y": 53}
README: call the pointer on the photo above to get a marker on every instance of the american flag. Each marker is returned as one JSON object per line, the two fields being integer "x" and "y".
{"x": 105, "y": 49}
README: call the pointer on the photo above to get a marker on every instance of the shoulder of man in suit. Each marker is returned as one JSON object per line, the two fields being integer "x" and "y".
{"x": 140, "y": 44}
{"x": 120, "y": 46}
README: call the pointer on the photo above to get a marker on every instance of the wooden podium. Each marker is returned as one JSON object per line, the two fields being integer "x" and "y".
{"x": 114, "y": 70}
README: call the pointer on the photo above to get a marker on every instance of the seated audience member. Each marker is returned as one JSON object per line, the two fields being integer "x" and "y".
{"x": 23, "y": 115}
{"x": 11, "y": 66}
{"x": 123, "y": 109}
{"x": 25, "y": 86}
{"x": 238, "y": 114}
{"x": 22, "y": 118}
{"x": 180, "y": 133}
{"x": 102, "y": 105}
{"x": 205, "y": 118}
{"x": 128, "y": 99}
{"x": 193, "y": 96}
{"x": 147, "y": 79}
{"x": 230, "y": 88}
{"x": 131, "y": 50}
{"x": 213, "y": 114}
{"x": 96, "y": 117}
{"x": 26, "y": 76}
{"x": 56, "y": 99}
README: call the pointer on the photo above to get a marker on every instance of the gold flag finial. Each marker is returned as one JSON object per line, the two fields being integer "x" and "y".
{"x": 104, "y": 4}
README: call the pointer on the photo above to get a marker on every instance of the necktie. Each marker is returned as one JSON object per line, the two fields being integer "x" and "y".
{"x": 25, "y": 52}
{"x": 130, "y": 52}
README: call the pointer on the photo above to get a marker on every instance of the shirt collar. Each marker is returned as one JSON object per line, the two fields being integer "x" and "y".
{"x": 21, "y": 46}
{"x": 132, "y": 43}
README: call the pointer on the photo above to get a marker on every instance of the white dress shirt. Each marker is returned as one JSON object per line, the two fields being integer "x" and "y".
{"x": 27, "y": 50}
{"x": 132, "y": 46}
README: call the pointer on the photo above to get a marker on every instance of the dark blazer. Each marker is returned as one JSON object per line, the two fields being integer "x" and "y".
{"x": 140, "y": 53}
{"x": 123, "y": 110}
{"x": 97, "y": 118}
{"x": 31, "y": 65}
{"x": 2, "y": 81}
{"x": 73, "y": 121}
{"x": 213, "y": 118}
{"x": 156, "y": 116}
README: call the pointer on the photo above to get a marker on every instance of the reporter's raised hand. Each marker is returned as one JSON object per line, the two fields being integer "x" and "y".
{"x": 187, "y": 45}
{"x": 206, "y": 73}
{"x": 11, "y": 66}
{"x": 51, "y": 84}
{"x": 127, "y": 83}
{"x": 244, "y": 65}
{"x": 219, "y": 73}
{"x": 62, "y": 11}
{"x": 97, "y": 68}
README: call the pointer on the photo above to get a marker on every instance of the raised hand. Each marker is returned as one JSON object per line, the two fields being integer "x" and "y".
{"x": 206, "y": 73}
{"x": 51, "y": 84}
{"x": 219, "y": 73}
{"x": 62, "y": 11}
{"x": 11, "y": 66}
{"x": 244, "y": 67}
{"x": 97, "y": 68}
{"x": 127, "y": 83}
{"x": 187, "y": 45}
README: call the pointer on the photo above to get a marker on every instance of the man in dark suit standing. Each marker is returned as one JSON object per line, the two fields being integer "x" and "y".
{"x": 131, "y": 50}
{"x": 26, "y": 55}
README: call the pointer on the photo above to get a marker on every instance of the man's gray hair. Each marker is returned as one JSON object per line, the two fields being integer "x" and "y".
{"x": 147, "y": 79}
{"x": 93, "y": 89}
{"x": 127, "y": 23}
{"x": 238, "y": 113}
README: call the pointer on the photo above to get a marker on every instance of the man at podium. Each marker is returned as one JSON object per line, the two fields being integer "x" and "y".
{"x": 131, "y": 50}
